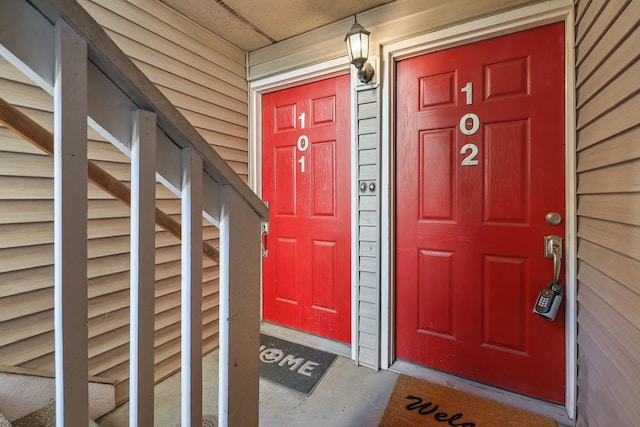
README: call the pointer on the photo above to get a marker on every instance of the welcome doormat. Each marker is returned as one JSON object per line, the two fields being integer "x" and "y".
{"x": 292, "y": 365}
{"x": 415, "y": 402}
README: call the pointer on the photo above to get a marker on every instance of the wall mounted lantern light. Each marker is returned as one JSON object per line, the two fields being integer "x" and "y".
{"x": 357, "y": 40}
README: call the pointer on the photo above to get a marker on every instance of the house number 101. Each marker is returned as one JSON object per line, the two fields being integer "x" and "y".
{"x": 303, "y": 145}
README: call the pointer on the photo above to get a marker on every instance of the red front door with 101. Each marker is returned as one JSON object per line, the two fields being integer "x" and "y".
{"x": 479, "y": 165}
{"x": 306, "y": 180}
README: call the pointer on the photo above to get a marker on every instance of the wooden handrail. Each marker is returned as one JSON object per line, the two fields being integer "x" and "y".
{"x": 24, "y": 126}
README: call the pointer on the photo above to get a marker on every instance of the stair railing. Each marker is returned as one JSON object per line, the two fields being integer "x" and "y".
{"x": 58, "y": 45}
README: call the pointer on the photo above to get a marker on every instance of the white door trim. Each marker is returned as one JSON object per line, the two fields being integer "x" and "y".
{"x": 504, "y": 23}
{"x": 316, "y": 72}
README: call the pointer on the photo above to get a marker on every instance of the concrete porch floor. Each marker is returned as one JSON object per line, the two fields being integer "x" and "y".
{"x": 347, "y": 396}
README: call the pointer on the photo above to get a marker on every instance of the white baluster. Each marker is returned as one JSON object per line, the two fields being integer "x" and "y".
{"x": 143, "y": 202}
{"x": 70, "y": 228}
{"x": 191, "y": 320}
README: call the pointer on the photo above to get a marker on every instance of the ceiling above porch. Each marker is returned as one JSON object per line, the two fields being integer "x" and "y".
{"x": 252, "y": 24}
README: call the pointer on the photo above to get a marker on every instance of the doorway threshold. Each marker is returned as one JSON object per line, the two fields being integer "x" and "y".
{"x": 548, "y": 409}
{"x": 304, "y": 338}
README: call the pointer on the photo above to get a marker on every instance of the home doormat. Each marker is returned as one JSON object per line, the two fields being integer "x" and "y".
{"x": 292, "y": 365}
{"x": 415, "y": 402}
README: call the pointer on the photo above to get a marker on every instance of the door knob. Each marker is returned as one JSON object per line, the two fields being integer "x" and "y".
{"x": 553, "y": 218}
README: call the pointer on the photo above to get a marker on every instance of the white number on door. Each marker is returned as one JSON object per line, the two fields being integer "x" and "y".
{"x": 475, "y": 124}
{"x": 469, "y": 90}
{"x": 301, "y": 117}
{"x": 301, "y": 161}
{"x": 303, "y": 143}
{"x": 470, "y": 160}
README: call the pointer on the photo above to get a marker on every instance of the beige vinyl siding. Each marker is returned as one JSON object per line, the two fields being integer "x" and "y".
{"x": 205, "y": 78}
{"x": 608, "y": 132}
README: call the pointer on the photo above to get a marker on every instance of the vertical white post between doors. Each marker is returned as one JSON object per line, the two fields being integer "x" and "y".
{"x": 70, "y": 228}
{"x": 143, "y": 202}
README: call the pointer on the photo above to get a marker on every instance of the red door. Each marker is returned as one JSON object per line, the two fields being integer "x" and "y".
{"x": 306, "y": 180}
{"x": 480, "y": 163}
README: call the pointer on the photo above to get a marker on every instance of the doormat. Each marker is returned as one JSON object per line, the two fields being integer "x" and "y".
{"x": 415, "y": 402}
{"x": 292, "y": 365}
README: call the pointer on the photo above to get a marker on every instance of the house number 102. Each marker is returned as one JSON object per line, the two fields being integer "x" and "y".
{"x": 469, "y": 125}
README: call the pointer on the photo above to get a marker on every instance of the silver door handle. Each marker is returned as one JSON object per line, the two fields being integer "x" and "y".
{"x": 553, "y": 250}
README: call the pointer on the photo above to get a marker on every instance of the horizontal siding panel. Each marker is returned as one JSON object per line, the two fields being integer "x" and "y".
{"x": 123, "y": 32}
{"x": 25, "y": 95}
{"x": 621, "y": 148}
{"x": 369, "y": 264}
{"x": 24, "y": 258}
{"x": 368, "y": 325}
{"x": 17, "y": 354}
{"x": 367, "y": 279}
{"x": 604, "y": 395}
{"x": 589, "y": 12}
{"x": 366, "y": 97}
{"x": 29, "y": 211}
{"x": 368, "y": 248}
{"x": 367, "y": 340}
{"x": 148, "y": 55}
{"x": 617, "y": 47}
{"x": 623, "y": 208}
{"x": 184, "y": 25}
{"x": 25, "y": 234}
{"x": 213, "y": 125}
{"x": 369, "y": 295}
{"x": 621, "y": 238}
{"x": 368, "y": 357}
{"x": 367, "y": 111}
{"x": 581, "y": 6}
{"x": 367, "y": 172}
{"x": 204, "y": 107}
{"x": 368, "y": 218}
{"x": 226, "y": 144}
{"x": 611, "y": 96}
{"x": 199, "y": 91}
{"x": 18, "y": 165}
{"x": 158, "y": 33}
{"x": 622, "y": 178}
{"x": 623, "y": 300}
{"x": 623, "y": 118}
{"x": 625, "y": 334}
{"x": 612, "y": 356}
{"x": 9, "y": 72}
{"x": 368, "y": 233}
{"x": 12, "y": 143}
{"x": 368, "y": 141}
{"x": 597, "y": 21}
{"x": 368, "y": 126}
{"x": 15, "y": 281}
{"x": 623, "y": 269}
{"x": 27, "y": 326}
{"x": 368, "y": 157}
{"x": 368, "y": 203}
